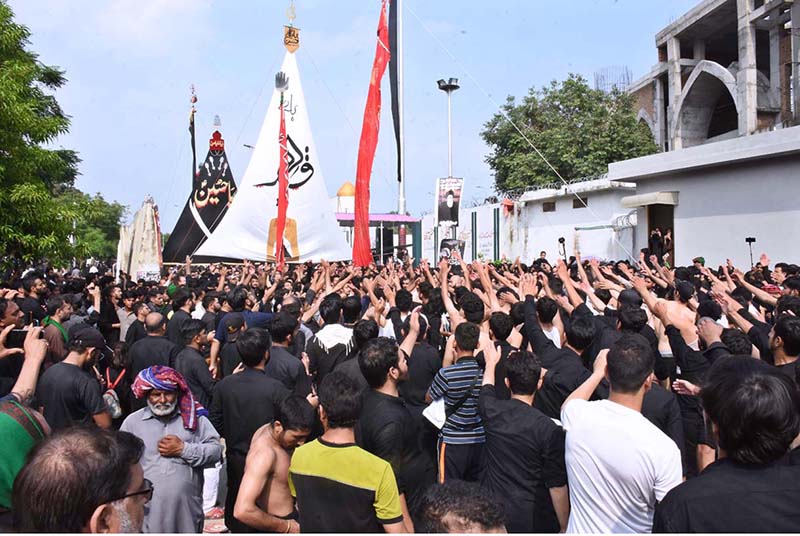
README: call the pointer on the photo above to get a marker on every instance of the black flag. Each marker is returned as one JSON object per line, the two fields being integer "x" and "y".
{"x": 393, "y": 81}
{"x": 194, "y": 151}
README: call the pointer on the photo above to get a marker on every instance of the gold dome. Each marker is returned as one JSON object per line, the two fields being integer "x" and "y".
{"x": 347, "y": 190}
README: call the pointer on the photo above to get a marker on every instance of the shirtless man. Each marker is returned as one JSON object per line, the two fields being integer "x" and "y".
{"x": 264, "y": 501}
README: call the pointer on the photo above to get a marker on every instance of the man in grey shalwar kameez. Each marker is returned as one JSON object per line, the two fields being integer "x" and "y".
{"x": 179, "y": 442}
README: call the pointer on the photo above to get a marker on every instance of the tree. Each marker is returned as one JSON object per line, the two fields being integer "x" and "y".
{"x": 580, "y": 130}
{"x": 96, "y": 227}
{"x": 33, "y": 223}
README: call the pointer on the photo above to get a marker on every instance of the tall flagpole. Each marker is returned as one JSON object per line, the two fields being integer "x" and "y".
{"x": 401, "y": 200}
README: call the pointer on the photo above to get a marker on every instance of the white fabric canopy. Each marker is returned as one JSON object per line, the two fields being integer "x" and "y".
{"x": 653, "y": 198}
{"x": 312, "y": 232}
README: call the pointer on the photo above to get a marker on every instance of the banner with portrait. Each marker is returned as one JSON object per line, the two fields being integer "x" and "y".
{"x": 448, "y": 200}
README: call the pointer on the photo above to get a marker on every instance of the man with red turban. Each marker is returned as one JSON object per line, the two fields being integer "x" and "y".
{"x": 179, "y": 442}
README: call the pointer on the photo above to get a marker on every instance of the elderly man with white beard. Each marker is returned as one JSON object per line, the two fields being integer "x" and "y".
{"x": 179, "y": 442}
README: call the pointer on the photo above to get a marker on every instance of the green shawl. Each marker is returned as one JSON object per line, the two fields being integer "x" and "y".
{"x": 19, "y": 431}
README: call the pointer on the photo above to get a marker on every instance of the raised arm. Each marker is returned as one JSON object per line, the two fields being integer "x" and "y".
{"x": 588, "y": 387}
{"x": 452, "y": 312}
{"x": 569, "y": 286}
{"x": 763, "y": 296}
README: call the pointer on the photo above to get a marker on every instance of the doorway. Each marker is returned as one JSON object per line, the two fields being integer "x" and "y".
{"x": 662, "y": 217}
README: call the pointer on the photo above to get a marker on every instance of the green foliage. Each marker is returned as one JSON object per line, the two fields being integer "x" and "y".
{"x": 97, "y": 225}
{"x": 580, "y": 130}
{"x": 40, "y": 211}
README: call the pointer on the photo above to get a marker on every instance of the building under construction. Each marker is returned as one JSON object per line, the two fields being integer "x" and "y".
{"x": 727, "y": 68}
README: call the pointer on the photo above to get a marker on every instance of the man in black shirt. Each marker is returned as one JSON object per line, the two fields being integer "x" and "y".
{"x": 753, "y": 487}
{"x": 500, "y": 327}
{"x": 423, "y": 364}
{"x": 565, "y": 370}
{"x": 234, "y": 325}
{"x": 784, "y": 342}
{"x": 155, "y": 349}
{"x": 108, "y": 321}
{"x": 282, "y": 364}
{"x": 31, "y": 305}
{"x": 364, "y": 330}
{"x": 137, "y": 331}
{"x": 67, "y": 391}
{"x": 386, "y": 427}
{"x": 242, "y": 403}
{"x": 524, "y": 448}
{"x": 191, "y": 363}
{"x": 212, "y": 306}
{"x": 331, "y": 345}
{"x": 182, "y": 304}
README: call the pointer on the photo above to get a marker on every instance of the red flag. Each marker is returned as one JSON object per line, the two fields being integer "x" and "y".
{"x": 283, "y": 192}
{"x": 362, "y": 255}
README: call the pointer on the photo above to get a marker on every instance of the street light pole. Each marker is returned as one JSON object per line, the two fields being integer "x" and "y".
{"x": 449, "y": 86}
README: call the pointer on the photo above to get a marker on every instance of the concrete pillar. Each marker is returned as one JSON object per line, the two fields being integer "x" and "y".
{"x": 775, "y": 66}
{"x": 675, "y": 87}
{"x": 796, "y": 60}
{"x": 658, "y": 112}
{"x": 699, "y": 49}
{"x": 747, "y": 77}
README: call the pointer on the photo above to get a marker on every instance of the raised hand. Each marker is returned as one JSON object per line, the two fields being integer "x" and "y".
{"x": 528, "y": 285}
{"x": 709, "y": 331}
{"x": 686, "y": 388}
{"x": 561, "y": 271}
{"x": 639, "y": 284}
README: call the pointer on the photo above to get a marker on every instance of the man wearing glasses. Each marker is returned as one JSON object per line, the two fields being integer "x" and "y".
{"x": 82, "y": 479}
{"x": 179, "y": 441}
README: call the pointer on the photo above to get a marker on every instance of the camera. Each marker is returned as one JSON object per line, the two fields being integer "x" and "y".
{"x": 750, "y": 239}
{"x": 561, "y": 240}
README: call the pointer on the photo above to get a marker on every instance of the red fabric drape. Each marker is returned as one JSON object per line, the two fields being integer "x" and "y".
{"x": 362, "y": 254}
{"x": 283, "y": 192}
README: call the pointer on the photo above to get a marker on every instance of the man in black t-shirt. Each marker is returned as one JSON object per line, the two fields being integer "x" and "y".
{"x": 282, "y": 365}
{"x": 67, "y": 391}
{"x": 182, "y": 304}
{"x": 753, "y": 487}
{"x": 31, "y": 304}
{"x": 385, "y": 427}
{"x": 242, "y": 403}
{"x": 524, "y": 448}
{"x": 234, "y": 326}
{"x": 212, "y": 306}
{"x": 137, "y": 331}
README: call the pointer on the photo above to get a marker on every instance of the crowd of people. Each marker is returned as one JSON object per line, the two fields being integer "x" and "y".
{"x": 571, "y": 396}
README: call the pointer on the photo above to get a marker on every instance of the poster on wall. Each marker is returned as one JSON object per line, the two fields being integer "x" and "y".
{"x": 448, "y": 199}
{"x": 448, "y": 246}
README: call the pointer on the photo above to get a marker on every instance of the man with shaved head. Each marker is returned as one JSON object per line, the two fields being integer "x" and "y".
{"x": 155, "y": 349}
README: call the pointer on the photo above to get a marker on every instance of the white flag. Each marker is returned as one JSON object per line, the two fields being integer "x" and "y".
{"x": 248, "y": 229}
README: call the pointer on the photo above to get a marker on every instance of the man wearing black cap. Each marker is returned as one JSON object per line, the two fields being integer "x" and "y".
{"x": 69, "y": 393}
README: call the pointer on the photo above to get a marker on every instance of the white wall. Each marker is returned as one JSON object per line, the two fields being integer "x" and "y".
{"x": 717, "y": 208}
{"x": 529, "y": 230}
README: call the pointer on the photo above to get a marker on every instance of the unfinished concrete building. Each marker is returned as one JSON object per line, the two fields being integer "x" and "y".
{"x": 723, "y": 104}
{"x": 727, "y": 68}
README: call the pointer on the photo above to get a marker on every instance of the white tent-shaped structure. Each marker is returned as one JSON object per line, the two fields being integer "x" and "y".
{"x": 248, "y": 229}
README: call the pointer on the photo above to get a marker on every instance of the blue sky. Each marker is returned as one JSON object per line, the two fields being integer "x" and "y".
{"x": 130, "y": 64}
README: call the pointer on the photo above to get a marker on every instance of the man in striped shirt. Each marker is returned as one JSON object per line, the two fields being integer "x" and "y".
{"x": 462, "y": 437}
